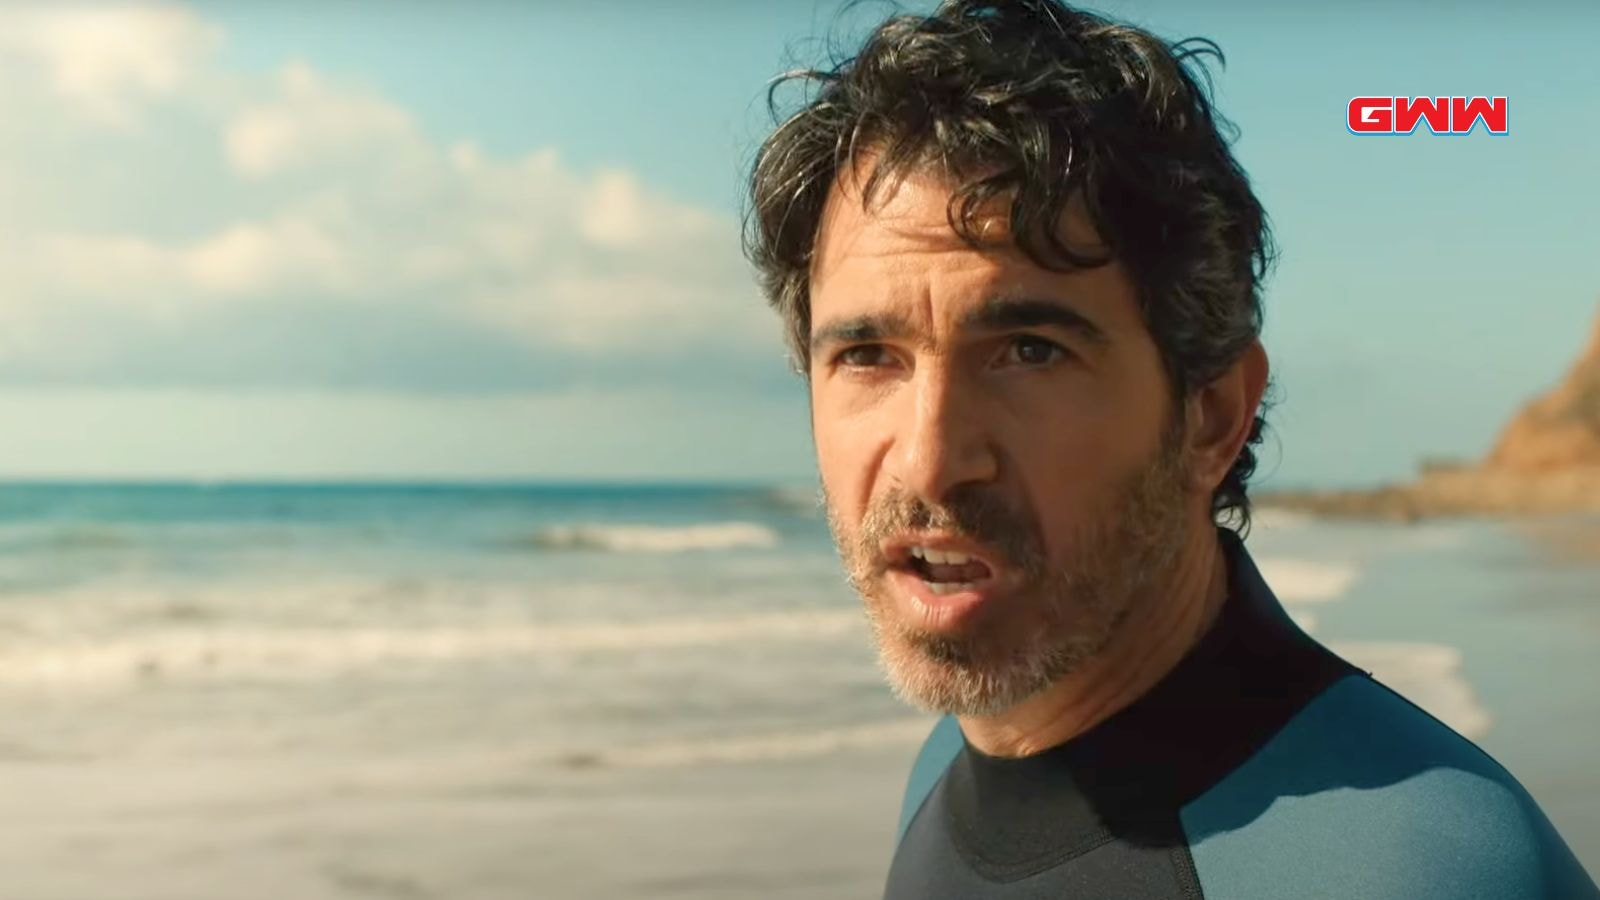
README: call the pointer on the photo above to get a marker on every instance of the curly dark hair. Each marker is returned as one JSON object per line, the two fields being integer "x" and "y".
{"x": 1033, "y": 102}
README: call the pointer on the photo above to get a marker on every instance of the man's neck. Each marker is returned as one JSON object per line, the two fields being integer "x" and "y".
{"x": 1158, "y": 632}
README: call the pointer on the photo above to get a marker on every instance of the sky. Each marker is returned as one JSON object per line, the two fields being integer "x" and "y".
{"x": 499, "y": 241}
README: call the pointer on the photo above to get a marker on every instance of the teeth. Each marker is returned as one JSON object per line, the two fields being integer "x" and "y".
{"x": 948, "y": 587}
{"x": 941, "y": 557}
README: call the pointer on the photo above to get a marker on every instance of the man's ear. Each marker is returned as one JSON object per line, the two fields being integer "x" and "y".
{"x": 1221, "y": 416}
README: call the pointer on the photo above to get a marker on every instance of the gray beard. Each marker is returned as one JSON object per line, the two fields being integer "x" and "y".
{"x": 1070, "y": 612}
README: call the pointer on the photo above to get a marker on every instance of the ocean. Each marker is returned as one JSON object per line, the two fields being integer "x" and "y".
{"x": 497, "y": 691}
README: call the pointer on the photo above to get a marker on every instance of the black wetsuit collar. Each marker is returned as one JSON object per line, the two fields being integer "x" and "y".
{"x": 1127, "y": 776}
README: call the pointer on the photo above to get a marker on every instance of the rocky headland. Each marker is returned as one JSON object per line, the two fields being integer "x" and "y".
{"x": 1546, "y": 460}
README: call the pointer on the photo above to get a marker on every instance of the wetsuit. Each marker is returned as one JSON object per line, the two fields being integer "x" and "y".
{"x": 1263, "y": 766}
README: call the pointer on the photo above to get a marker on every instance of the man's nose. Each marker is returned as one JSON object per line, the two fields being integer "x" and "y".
{"x": 942, "y": 441}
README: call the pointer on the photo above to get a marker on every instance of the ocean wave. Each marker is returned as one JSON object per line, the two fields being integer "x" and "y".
{"x": 1428, "y": 675}
{"x": 656, "y": 538}
{"x": 1276, "y": 518}
{"x": 747, "y": 748}
{"x": 310, "y": 654}
{"x": 1307, "y": 581}
{"x": 793, "y": 499}
{"x": 1306, "y": 621}
{"x": 1435, "y": 537}
{"x": 68, "y": 537}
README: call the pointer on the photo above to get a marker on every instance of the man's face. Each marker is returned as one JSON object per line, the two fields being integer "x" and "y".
{"x": 972, "y": 400}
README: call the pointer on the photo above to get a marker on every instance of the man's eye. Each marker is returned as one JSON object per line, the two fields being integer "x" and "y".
{"x": 1035, "y": 351}
{"x": 861, "y": 357}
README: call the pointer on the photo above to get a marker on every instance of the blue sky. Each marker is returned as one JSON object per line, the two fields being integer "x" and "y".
{"x": 303, "y": 240}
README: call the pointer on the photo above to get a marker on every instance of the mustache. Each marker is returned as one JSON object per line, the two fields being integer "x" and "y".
{"x": 977, "y": 515}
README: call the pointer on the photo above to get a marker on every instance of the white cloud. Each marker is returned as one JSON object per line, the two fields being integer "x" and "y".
{"x": 103, "y": 58}
{"x": 287, "y": 254}
{"x": 617, "y": 212}
{"x": 323, "y": 208}
{"x": 311, "y": 122}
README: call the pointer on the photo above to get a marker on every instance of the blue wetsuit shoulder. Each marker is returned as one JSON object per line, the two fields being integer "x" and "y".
{"x": 1362, "y": 794}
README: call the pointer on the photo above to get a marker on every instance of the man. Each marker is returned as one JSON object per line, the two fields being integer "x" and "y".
{"x": 1020, "y": 270}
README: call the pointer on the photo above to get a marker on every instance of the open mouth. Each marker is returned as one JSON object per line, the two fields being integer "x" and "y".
{"x": 947, "y": 577}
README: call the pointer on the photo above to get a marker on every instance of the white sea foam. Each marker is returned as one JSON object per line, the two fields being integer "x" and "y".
{"x": 304, "y": 653}
{"x": 795, "y": 499}
{"x": 1436, "y": 537}
{"x": 1429, "y": 675}
{"x": 766, "y": 747}
{"x": 1274, "y": 518}
{"x": 1306, "y": 581}
{"x": 656, "y": 538}
{"x": 1306, "y": 620}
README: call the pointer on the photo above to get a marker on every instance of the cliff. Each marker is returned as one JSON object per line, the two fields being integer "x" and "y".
{"x": 1560, "y": 431}
{"x": 1546, "y": 460}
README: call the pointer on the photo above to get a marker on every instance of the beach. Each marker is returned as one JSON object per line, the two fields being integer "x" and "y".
{"x": 496, "y": 691}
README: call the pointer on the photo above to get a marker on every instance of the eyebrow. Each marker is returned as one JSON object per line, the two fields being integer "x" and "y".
{"x": 994, "y": 314}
